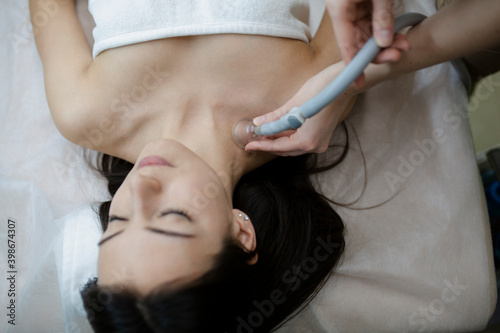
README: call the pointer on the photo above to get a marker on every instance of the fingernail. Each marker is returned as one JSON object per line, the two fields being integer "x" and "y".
{"x": 359, "y": 83}
{"x": 258, "y": 121}
{"x": 383, "y": 37}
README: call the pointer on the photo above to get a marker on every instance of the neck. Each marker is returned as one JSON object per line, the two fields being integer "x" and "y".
{"x": 209, "y": 135}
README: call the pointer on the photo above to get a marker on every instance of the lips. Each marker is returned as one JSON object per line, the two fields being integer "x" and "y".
{"x": 153, "y": 160}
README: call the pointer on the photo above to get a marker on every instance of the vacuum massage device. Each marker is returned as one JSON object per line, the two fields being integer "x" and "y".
{"x": 245, "y": 131}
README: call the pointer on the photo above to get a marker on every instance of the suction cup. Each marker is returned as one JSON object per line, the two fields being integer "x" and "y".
{"x": 244, "y": 133}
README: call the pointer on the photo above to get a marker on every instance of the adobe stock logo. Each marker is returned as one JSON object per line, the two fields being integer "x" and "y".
{"x": 453, "y": 118}
{"x": 437, "y": 306}
{"x": 293, "y": 277}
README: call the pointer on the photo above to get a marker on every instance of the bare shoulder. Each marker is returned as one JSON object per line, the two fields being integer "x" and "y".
{"x": 76, "y": 87}
{"x": 76, "y": 112}
{"x": 115, "y": 101}
{"x": 87, "y": 115}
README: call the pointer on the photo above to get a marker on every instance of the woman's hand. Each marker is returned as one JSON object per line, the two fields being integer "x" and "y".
{"x": 353, "y": 23}
{"x": 315, "y": 134}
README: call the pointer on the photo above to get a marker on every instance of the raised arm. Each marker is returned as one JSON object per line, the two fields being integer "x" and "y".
{"x": 462, "y": 29}
{"x": 65, "y": 56}
{"x": 479, "y": 64}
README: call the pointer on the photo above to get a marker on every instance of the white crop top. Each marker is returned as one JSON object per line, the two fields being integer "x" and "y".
{"x": 125, "y": 22}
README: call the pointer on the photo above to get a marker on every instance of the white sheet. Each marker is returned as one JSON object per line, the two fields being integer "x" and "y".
{"x": 401, "y": 258}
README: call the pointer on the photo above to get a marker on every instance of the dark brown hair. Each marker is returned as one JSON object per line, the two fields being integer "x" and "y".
{"x": 299, "y": 242}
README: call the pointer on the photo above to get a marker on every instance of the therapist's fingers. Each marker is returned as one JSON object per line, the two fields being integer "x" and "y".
{"x": 284, "y": 146}
{"x": 383, "y": 22}
{"x": 271, "y": 116}
{"x": 388, "y": 55}
{"x": 281, "y": 134}
{"x": 343, "y": 14}
{"x": 360, "y": 81}
{"x": 292, "y": 145}
{"x": 400, "y": 42}
{"x": 394, "y": 52}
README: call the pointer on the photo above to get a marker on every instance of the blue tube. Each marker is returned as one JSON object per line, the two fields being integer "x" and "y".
{"x": 296, "y": 117}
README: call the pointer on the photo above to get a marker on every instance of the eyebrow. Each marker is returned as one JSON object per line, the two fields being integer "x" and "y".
{"x": 158, "y": 231}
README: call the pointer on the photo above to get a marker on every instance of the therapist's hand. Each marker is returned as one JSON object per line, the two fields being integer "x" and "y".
{"x": 315, "y": 134}
{"x": 354, "y": 21}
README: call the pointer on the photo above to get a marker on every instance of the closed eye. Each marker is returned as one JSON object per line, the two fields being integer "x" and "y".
{"x": 180, "y": 212}
{"x": 116, "y": 218}
{"x": 177, "y": 212}
{"x": 159, "y": 231}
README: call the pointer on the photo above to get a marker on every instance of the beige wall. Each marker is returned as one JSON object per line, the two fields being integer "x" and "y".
{"x": 484, "y": 108}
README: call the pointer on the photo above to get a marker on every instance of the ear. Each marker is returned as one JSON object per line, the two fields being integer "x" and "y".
{"x": 245, "y": 233}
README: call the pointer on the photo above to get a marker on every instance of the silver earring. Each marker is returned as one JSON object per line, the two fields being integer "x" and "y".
{"x": 247, "y": 218}
{"x": 240, "y": 215}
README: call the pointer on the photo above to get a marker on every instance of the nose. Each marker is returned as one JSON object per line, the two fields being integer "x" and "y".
{"x": 144, "y": 190}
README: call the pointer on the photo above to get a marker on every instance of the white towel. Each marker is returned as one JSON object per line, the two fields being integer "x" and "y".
{"x": 125, "y": 22}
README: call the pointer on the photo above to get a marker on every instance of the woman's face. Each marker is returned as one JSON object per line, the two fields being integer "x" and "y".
{"x": 168, "y": 220}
